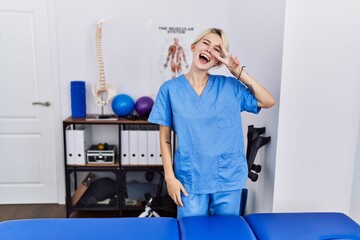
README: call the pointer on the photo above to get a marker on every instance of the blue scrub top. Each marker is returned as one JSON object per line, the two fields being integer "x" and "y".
{"x": 210, "y": 155}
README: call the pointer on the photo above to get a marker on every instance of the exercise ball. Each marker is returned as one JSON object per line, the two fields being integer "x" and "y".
{"x": 144, "y": 105}
{"x": 122, "y": 105}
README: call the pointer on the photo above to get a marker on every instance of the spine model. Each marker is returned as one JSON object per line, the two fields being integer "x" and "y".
{"x": 102, "y": 92}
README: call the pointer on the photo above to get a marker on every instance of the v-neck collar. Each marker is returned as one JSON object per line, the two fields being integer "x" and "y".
{"x": 192, "y": 90}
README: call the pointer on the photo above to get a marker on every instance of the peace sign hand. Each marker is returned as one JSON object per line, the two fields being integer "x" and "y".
{"x": 230, "y": 61}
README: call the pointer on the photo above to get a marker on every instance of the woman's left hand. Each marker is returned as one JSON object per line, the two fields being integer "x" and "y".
{"x": 230, "y": 61}
{"x": 265, "y": 99}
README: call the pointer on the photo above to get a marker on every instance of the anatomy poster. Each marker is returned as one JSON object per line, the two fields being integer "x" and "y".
{"x": 170, "y": 53}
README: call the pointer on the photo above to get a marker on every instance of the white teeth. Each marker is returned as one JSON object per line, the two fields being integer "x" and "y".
{"x": 204, "y": 56}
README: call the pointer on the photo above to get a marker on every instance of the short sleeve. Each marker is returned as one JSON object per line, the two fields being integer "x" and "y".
{"x": 247, "y": 100}
{"x": 161, "y": 111}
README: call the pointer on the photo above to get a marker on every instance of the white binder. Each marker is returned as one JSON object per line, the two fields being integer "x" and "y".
{"x": 125, "y": 150}
{"x": 158, "y": 160}
{"x": 134, "y": 147}
{"x": 142, "y": 147}
{"x": 82, "y": 143}
{"x": 152, "y": 142}
{"x": 70, "y": 145}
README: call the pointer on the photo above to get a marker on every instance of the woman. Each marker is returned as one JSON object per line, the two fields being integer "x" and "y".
{"x": 209, "y": 168}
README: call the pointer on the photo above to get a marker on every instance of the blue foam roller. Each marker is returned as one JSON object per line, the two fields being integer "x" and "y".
{"x": 78, "y": 99}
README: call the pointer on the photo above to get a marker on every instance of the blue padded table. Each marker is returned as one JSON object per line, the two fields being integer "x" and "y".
{"x": 91, "y": 229}
{"x": 303, "y": 226}
{"x": 215, "y": 227}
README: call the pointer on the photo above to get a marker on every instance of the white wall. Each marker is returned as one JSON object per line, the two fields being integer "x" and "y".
{"x": 258, "y": 28}
{"x": 126, "y": 36}
{"x": 355, "y": 196}
{"x": 255, "y": 31}
{"x": 319, "y": 107}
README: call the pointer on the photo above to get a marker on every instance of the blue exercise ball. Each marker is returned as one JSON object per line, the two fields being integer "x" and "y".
{"x": 122, "y": 105}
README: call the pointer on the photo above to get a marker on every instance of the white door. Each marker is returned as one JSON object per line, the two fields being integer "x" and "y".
{"x": 27, "y": 156}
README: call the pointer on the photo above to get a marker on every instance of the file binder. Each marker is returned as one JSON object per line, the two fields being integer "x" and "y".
{"x": 158, "y": 149}
{"x": 152, "y": 142}
{"x": 124, "y": 148}
{"x": 142, "y": 147}
{"x": 70, "y": 145}
{"x": 134, "y": 148}
{"x": 82, "y": 143}
{"x": 77, "y": 142}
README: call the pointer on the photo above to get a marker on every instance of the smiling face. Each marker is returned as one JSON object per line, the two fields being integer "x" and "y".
{"x": 205, "y": 50}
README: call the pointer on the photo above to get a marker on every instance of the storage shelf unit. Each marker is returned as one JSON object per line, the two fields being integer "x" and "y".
{"x": 73, "y": 172}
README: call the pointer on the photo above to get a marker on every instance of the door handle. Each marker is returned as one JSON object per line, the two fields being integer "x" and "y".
{"x": 45, "y": 104}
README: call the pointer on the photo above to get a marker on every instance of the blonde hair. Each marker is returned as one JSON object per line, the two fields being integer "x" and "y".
{"x": 217, "y": 31}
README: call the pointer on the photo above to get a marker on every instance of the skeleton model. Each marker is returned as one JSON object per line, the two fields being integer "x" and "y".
{"x": 102, "y": 92}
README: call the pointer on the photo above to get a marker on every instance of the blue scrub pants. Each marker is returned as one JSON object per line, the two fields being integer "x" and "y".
{"x": 221, "y": 203}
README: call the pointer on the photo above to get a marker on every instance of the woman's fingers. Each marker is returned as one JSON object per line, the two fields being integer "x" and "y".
{"x": 177, "y": 199}
{"x": 224, "y": 51}
{"x": 236, "y": 60}
{"x": 221, "y": 59}
{"x": 174, "y": 189}
{"x": 183, "y": 190}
